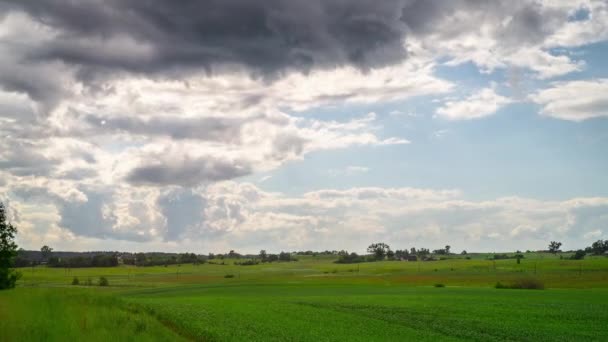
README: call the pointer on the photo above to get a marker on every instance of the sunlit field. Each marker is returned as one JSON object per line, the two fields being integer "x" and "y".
{"x": 315, "y": 299}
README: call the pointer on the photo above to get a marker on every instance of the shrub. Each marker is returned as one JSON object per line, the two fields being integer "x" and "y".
{"x": 578, "y": 255}
{"x": 75, "y": 281}
{"x": 523, "y": 283}
{"x": 439, "y": 285}
{"x": 229, "y": 276}
{"x": 103, "y": 281}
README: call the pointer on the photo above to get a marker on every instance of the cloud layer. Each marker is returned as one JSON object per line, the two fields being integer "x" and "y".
{"x": 133, "y": 121}
{"x": 240, "y": 215}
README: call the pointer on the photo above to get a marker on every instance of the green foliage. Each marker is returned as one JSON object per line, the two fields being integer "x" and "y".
{"x": 345, "y": 258}
{"x": 8, "y": 252}
{"x": 75, "y": 281}
{"x": 439, "y": 285}
{"x": 103, "y": 281}
{"x": 229, "y": 276}
{"x": 578, "y": 255}
{"x": 599, "y": 247}
{"x": 378, "y": 250}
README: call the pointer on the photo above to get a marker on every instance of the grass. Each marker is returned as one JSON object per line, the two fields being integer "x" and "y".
{"x": 62, "y": 314}
{"x": 315, "y": 299}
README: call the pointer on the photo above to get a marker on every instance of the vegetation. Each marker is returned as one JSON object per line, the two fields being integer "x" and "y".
{"x": 316, "y": 298}
{"x": 8, "y": 251}
{"x": 554, "y": 246}
{"x": 523, "y": 283}
{"x": 103, "y": 281}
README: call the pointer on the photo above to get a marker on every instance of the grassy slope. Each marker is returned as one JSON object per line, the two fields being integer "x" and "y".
{"x": 69, "y": 314}
{"x": 314, "y": 299}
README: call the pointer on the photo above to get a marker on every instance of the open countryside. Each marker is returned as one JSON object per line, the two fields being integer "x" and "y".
{"x": 450, "y": 297}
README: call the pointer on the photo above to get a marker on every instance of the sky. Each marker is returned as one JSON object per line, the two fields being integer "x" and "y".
{"x": 206, "y": 126}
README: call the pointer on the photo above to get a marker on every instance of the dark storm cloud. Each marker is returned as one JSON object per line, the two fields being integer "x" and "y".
{"x": 266, "y": 36}
{"x": 188, "y": 172}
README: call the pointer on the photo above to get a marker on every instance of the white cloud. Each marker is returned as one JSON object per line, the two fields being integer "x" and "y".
{"x": 574, "y": 100}
{"x": 483, "y": 103}
{"x": 243, "y": 217}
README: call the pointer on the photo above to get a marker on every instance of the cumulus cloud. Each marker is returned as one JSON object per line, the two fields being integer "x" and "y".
{"x": 483, "y": 103}
{"x": 120, "y": 118}
{"x": 240, "y": 215}
{"x": 574, "y": 100}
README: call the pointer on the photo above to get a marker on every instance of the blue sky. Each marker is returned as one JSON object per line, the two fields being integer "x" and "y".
{"x": 416, "y": 123}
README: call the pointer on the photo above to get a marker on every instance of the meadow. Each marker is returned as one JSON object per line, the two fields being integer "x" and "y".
{"x": 315, "y": 299}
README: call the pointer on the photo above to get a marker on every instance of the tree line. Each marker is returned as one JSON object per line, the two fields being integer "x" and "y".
{"x": 10, "y": 257}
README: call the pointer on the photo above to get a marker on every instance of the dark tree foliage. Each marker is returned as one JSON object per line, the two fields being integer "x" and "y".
{"x": 46, "y": 252}
{"x": 578, "y": 255}
{"x": 379, "y": 250}
{"x": 352, "y": 258}
{"x": 8, "y": 252}
{"x": 599, "y": 247}
{"x": 554, "y": 246}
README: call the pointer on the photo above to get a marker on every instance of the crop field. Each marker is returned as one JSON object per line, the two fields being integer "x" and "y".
{"x": 314, "y": 299}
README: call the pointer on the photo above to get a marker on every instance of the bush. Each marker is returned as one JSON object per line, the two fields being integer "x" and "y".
{"x": 103, "y": 281}
{"x": 75, "y": 281}
{"x": 578, "y": 255}
{"x": 439, "y": 285}
{"x": 247, "y": 262}
{"x": 523, "y": 284}
{"x": 229, "y": 276}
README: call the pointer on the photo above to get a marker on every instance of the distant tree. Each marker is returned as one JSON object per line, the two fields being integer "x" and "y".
{"x": 599, "y": 247}
{"x": 8, "y": 251}
{"x": 379, "y": 250}
{"x": 423, "y": 252}
{"x": 447, "y": 249}
{"x": 263, "y": 255}
{"x": 46, "y": 252}
{"x": 140, "y": 259}
{"x": 554, "y": 246}
{"x": 402, "y": 254}
{"x": 464, "y": 252}
{"x": 413, "y": 251}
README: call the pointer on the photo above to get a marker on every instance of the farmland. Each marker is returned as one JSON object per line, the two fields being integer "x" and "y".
{"x": 314, "y": 299}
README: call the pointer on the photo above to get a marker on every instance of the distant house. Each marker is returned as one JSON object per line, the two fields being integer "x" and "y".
{"x": 412, "y": 258}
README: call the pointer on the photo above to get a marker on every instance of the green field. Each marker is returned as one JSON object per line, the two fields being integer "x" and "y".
{"x": 314, "y": 299}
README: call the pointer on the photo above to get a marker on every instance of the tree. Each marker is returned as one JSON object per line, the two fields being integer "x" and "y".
{"x": 599, "y": 247}
{"x": 8, "y": 251}
{"x": 554, "y": 246}
{"x": 263, "y": 255}
{"x": 447, "y": 249}
{"x": 379, "y": 250}
{"x": 46, "y": 252}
